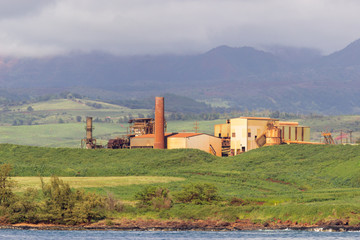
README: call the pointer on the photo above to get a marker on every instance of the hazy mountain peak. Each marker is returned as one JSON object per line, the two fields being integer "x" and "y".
{"x": 348, "y": 56}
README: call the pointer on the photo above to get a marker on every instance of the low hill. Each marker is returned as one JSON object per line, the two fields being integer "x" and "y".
{"x": 66, "y": 111}
{"x": 290, "y": 182}
{"x": 295, "y": 167}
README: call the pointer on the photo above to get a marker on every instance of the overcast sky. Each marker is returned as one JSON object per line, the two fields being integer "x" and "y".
{"x": 128, "y": 27}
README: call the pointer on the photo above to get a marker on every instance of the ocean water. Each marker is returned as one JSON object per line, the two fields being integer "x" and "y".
{"x": 160, "y": 235}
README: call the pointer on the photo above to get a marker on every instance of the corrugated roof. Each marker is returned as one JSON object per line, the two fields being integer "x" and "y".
{"x": 151, "y": 135}
{"x": 177, "y": 135}
{"x": 184, "y": 135}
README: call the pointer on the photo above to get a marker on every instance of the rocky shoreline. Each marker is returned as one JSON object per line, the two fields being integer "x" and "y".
{"x": 194, "y": 225}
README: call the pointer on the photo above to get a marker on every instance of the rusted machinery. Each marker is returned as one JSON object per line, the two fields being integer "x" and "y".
{"x": 327, "y": 138}
{"x": 271, "y": 136}
{"x": 141, "y": 126}
{"x": 138, "y": 127}
{"x": 118, "y": 143}
{"x": 89, "y": 142}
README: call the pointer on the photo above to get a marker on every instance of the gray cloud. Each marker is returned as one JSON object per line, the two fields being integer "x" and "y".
{"x": 43, "y": 27}
{"x": 19, "y": 8}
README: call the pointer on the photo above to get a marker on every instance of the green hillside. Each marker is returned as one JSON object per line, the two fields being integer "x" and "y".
{"x": 66, "y": 111}
{"x": 292, "y": 182}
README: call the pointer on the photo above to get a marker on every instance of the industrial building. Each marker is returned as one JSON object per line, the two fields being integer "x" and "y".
{"x": 200, "y": 141}
{"x": 236, "y": 136}
{"x": 246, "y": 133}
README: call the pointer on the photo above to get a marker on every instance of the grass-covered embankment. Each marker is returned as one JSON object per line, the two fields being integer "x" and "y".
{"x": 296, "y": 182}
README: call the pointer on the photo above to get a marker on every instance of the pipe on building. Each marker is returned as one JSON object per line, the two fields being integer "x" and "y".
{"x": 89, "y": 128}
{"x": 159, "y": 142}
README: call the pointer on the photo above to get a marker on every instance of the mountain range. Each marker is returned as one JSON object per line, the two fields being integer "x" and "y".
{"x": 279, "y": 78}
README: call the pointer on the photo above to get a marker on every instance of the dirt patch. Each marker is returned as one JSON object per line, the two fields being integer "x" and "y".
{"x": 185, "y": 225}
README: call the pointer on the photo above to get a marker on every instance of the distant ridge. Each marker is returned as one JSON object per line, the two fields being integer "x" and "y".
{"x": 282, "y": 79}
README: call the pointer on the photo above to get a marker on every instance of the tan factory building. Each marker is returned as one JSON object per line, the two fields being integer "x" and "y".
{"x": 200, "y": 141}
{"x": 247, "y": 133}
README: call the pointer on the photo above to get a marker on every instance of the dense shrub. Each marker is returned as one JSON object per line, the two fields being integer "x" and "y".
{"x": 198, "y": 193}
{"x": 6, "y": 185}
{"x": 24, "y": 208}
{"x": 62, "y": 205}
{"x": 155, "y": 197}
{"x": 59, "y": 204}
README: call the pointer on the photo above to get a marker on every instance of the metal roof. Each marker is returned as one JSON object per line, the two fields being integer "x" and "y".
{"x": 151, "y": 135}
{"x": 185, "y": 135}
{"x": 175, "y": 135}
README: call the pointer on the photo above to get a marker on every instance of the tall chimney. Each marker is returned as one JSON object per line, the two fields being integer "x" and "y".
{"x": 159, "y": 142}
{"x": 89, "y": 128}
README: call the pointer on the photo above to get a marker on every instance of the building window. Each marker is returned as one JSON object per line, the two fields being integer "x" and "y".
{"x": 233, "y": 134}
{"x": 249, "y": 134}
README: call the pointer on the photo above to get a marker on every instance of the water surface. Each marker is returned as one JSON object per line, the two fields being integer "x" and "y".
{"x": 178, "y": 235}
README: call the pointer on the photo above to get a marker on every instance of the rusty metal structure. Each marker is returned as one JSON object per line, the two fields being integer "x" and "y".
{"x": 141, "y": 126}
{"x": 271, "y": 136}
{"x": 159, "y": 123}
{"x": 328, "y": 139}
{"x": 137, "y": 127}
{"x": 89, "y": 142}
{"x": 118, "y": 143}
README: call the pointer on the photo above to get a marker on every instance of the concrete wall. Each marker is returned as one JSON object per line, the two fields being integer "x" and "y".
{"x": 142, "y": 142}
{"x": 201, "y": 142}
{"x": 295, "y": 133}
{"x": 222, "y": 130}
{"x": 173, "y": 142}
{"x": 238, "y": 135}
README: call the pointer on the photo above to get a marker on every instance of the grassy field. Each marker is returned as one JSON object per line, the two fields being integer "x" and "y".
{"x": 65, "y": 110}
{"x": 294, "y": 182}
{"x": 70, "y": 134}
{"x": 58, "y": 135}
{"x": 94, "y": 182}
{"x": 333, "y": 124}
{"x": 42, "y": 127}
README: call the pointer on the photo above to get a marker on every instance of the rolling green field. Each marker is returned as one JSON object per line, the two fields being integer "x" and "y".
{"x": 70, "y": 134}
{"x": 333, "y": 124}
{"x": 59, "y": 135}
{"x": 61, "y": 123}
{"x": 65, "y": 111}
{"x": 290, "y": 182}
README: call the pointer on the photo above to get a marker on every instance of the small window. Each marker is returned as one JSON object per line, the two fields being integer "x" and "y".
{"x": 249, "y": 134}
{"x": 233, "y": 134}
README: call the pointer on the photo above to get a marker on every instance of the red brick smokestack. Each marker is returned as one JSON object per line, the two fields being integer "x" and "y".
{"x": 159, "y": 123}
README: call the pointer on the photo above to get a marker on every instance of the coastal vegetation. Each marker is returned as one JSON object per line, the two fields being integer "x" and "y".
{"x": 298, "y": 183}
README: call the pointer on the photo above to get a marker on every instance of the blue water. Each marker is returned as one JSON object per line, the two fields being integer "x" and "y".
{"x": 79, "y": 235}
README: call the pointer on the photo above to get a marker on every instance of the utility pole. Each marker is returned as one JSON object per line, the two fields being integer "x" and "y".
{"x": 196, "y": 127}
{"x": 341, "y": 131}
{"x": 350, "y": 132}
